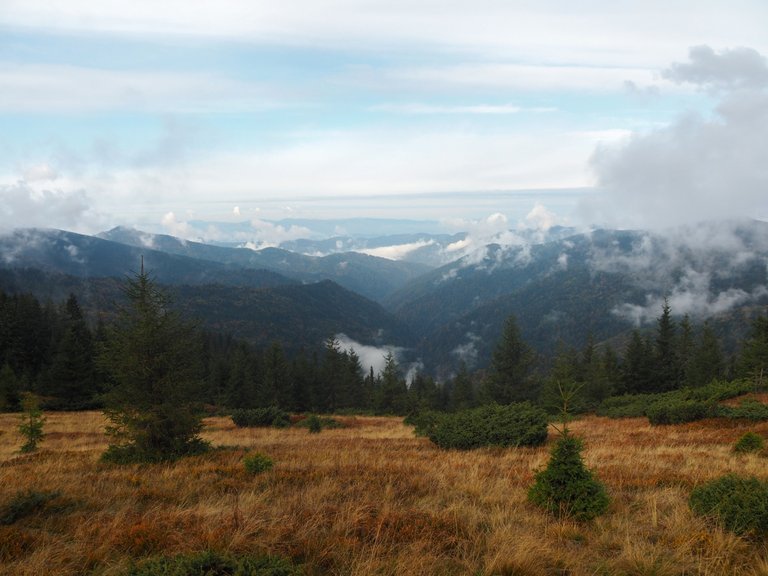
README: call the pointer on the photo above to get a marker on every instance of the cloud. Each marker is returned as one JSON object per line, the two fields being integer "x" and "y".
{"x": 370, "y": 356}
{"x": 734, "y": 69}
{"x": 467, "y": 352}
{"x": 396, "y": 252}
{"x": 25, "y": 205}
{"x": 482, "y": 109}
{"x": 696, "y": 168}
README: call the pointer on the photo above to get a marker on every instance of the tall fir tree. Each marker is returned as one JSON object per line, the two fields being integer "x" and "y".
{"x": 753, "y": 361}
{"x": 510, "y": 376}
{"x": 667, "y": 372}
{"x": 153, "y": 357}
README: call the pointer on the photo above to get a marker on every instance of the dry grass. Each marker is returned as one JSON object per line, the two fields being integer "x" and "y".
{"x": 374, "y": 499}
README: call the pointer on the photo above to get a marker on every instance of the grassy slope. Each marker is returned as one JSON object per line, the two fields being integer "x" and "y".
{"x": 372, "y": 498}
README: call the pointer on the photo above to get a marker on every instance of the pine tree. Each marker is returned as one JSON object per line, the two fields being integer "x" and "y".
{"x": 154, "y": 360}
{"x": 753, "y": 361}
{"x": 462, "y": 391}
{"x": 393, "y": 397}
{"x": 509, "y": 378}
{"x": 637, "y": 369}
{"x": 667, "y": 373}
{"x": 707, "y": 363}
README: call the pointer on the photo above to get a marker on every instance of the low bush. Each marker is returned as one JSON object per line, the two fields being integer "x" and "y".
{"x": 25, "y": 504}
{"x": 317, "y": 423}
{"x": 214, "y": 564}
{"x": 749, "y": 442}
{"x": 261, "y": 417}
{"x": 626, "y": 406}
{"x": 675, "y": 411}
{"x": 423, "y": 422}
{"x": 566, "y": 488}
{"x": 740, "y": 504}
{"x": 257, "y": 463}
{"x": 751, "y": 410}
{"x": 134, "y": 454}
{"x": 492, "y": 425}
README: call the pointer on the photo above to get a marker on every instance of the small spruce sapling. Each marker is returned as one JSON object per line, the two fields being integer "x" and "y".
{"x": 32, "y": 421}
{"x": 566, "y": 487}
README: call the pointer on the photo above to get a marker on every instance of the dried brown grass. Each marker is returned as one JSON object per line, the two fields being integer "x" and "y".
{"x": 374, "y": 499}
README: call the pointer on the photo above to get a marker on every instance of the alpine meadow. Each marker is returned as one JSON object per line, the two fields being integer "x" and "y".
{"x": 383, "y": 288}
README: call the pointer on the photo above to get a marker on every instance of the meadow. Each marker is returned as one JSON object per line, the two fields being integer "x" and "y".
{"x": 373, "y": 498}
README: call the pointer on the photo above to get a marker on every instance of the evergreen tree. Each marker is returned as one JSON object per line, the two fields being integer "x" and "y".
{"x": 637, "y": 369}
{"x": 424, "y": 392}
{"x": 667, "y": 373}
{"x": 462, "y": 391}
{"x": 332, "y": 376}
{"x": 10, "y": 388}
{"x": 707, "y": 363}
{"x": 565, "y": 375}
{"x": 753, "y": 361}
{"x": 274, "y": 389}
{"x": 393, "y": 398}
{"x": 154, "y": 359}
{"x": 686, "y": 350}
{"x": 72, "y": 375}
{"x": 510, "y": 375}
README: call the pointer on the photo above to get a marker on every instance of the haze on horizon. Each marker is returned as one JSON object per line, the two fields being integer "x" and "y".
{"x": 155, "y": 114}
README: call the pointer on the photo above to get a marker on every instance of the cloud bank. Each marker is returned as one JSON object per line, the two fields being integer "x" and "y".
{"x": 698, "y": 168}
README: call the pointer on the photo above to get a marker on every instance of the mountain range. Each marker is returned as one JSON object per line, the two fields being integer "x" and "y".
{"x": 440, "y": 307}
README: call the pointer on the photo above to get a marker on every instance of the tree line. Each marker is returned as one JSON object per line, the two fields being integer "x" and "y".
{"x": 54, "y": 352}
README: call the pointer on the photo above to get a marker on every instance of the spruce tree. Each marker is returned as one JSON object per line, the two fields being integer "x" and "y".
{"x": 753, "y": 362}
{"x": 667, "y": 373}
{"x": 153, "y": 357}
{"x": 510, "y": 375}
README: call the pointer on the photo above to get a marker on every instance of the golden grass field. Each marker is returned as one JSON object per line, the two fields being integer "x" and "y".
{"x": 374, "y": 499}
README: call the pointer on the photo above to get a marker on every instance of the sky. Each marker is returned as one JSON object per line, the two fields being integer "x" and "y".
{"x": 157, "y": 114}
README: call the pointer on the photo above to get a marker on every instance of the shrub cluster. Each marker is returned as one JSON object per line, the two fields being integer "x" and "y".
{"x": 749, "y": 442}
{"x": 214, "y": 564}
{"x": 317, "y": 423}
{"x": 678, "y": 411}
{"x": 566, "y": 488}
{"x": 257, "y": 463}
{"x": 423, "y": 421}
{"x": 492, "y": 425}
{"x": 261, "y": 417}
{"x": 739, "y": 503}
{"x": 746, "y": 410}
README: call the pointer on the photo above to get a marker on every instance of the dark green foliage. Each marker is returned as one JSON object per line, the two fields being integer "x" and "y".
{"x": 739, "y": 503}
{"x": 424, "y": 421}
{"x": 509, "y": 376}
{"x": 261, "y": 418}
{"x": 315, "y": 423}
{"x": 753, "y": 362}
{"x": 25, "y": 504}
{"x": 637, "y": 405}
{"x": 257, "y": 463}
{"x": 566, "y": 488}
{"x": 211, "y": 563}
{"x": 749, "y": 442}
{"x": 678, "y": 411}
{"x": 747, "y": 410}
{"x": 491, "y": 425}
{"x": 393, "y": 391}
{"x": 32, "y": 421}
{"x": 154, "y": 359}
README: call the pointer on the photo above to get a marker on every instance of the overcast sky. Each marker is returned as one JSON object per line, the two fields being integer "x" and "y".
{"x": 605, "y": 112}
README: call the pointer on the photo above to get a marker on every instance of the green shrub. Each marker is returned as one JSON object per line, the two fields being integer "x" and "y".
{"x": 740, "y": 504}
{"x": 261, "y": 417}
{"x": 32, "y": 421}
{"x": 139, "y": 454}
{"x": 257, "y": 463}
{"x": 750, "y": 409}
{"x": 214, "y": 564}
{"x": 676, "y": 411}
{"x": 492, "y": 425}
{"x": 626, "y": 406}
{"x": 749, "y": 442}
{"x": 319, "y": 423}
{"x": 423, "y": 422}
{"x": 25, "y": 504}
{"x": 566, "y": 488}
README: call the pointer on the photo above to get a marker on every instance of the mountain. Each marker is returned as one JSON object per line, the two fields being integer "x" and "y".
{"x": 373, "y": 277}
{"x": 299, "y": 316}
{"x": 601, "y": 284}
{"x": 89, "y": 256}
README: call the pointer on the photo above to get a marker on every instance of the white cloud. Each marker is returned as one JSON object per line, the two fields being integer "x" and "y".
{"x": 697, "y": 168}
{"x": 482, "y": 109}
{"x": 25, "y": 205}
{"x": 396, "y": 252}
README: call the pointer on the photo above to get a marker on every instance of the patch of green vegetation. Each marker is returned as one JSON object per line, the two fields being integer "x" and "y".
{"x": 493, "y": 425}
{"x": 740, "y": 504}
{"x": 261, "y": 417}
{"x": 211, "y": 563}
{"x": 749, "y": 442}
{"x": 257, "y": 463}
